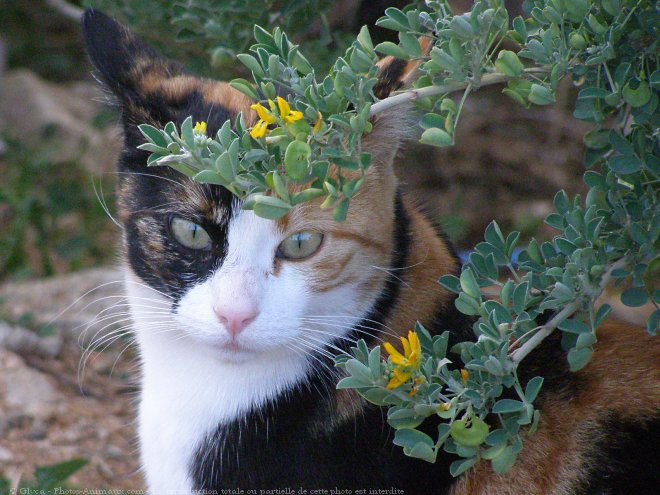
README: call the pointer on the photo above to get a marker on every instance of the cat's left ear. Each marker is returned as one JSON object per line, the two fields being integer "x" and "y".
{"x": 149, "y": 87}
{"x": 392, "y": 127}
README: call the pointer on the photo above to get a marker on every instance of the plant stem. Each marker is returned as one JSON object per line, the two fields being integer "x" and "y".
{"x": 413, "y": 94}
{"x": 520, "y": 354}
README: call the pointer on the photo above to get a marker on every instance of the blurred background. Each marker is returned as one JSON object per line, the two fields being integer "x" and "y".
{"x": 60, "y": 293}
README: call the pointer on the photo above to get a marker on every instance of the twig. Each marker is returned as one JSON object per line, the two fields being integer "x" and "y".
{"x": 413, "y": 94}
{"x": 520, "y": 354}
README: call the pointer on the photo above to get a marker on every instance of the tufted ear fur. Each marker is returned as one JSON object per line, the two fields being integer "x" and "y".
{"x": 392, "y": 127}
{"x": 150, "y": 88}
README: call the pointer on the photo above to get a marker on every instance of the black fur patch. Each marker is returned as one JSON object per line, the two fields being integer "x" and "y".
{"x": 379, "y": 313}
{"x": 389, "y": 79}
{"x": 624, "y": 460}
{"x": 150, "y": 197}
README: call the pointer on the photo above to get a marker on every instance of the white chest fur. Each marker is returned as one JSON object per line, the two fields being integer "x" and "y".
{"x": 187, "y": 393}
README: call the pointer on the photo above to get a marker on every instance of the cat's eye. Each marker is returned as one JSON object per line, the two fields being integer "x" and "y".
{"x": 299, "y": 245}
{"x": 189, "y": 234}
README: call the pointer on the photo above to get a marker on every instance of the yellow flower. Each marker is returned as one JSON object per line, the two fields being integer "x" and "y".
{"x": 264, "y": 115}
{"x": 400, "y": 377}
{"x": 444, "y": 406}
{"x": 200, "y": 127}
{"x": 405, "y": 363}
{"x": 464, "y": 375}
{"x": 289, "y": 116}
{"x": 411, "y": 348}
{"x": 259, "y": 129}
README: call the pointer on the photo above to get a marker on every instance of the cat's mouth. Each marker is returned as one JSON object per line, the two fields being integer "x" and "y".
{"x": 234, "y": 346}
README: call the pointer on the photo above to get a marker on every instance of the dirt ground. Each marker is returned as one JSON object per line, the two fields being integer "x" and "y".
{"x": 93, "y": 421}
{"x": 50, "y": 412}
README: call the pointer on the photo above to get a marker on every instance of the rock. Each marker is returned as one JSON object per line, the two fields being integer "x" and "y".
{"x": 39, "y": 430}
{"x": 25, "y": 389}
{"x": 29, "y": 106}
{"x": 114, "y": 452}
{"x": 78, "y": 305}
{"x": 22, "y": 341}
{"x": 5, "y": 455}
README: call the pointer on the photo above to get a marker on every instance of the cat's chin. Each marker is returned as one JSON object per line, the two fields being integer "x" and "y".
{"x": 231, "y": 351}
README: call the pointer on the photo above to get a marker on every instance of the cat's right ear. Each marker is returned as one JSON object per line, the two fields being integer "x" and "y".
{"x": 134, "y": 72}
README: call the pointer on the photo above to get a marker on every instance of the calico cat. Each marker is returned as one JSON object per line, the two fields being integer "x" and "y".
{"x": 237, "y": 317}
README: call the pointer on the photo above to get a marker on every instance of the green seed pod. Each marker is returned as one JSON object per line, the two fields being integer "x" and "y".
{"x": 296, "y": 159}
{"x": 577, "y": 41}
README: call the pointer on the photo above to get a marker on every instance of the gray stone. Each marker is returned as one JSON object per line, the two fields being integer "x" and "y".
{"x": 29, "y": 104}
{"x": 5, "y": 455}
{"x": 24, "y": 342}
{"x": 25, "y": 389}
{"x": 79, "y": 306}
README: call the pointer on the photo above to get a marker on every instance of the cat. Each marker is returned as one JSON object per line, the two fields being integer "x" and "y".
{"x": 237, "y": 317}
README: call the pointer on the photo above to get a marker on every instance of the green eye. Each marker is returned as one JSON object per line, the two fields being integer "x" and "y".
{"x": 189, "y": 234}
{"x": 299, "y": 245}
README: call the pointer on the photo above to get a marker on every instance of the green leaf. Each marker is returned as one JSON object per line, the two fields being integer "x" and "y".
{"x": 450, "y": 282}
{"x": 457, "y": 468}
{"x": 296, "y": 159}
{"x": 379, "y": 396}
{"x": 508, "y": 63}
{"x": 466, "y": 304}
{"x": 187, "y": 132}
{"x": 210, "y": 177}
{"x": 424, "y": 452}
{"x": 431, "y": 120}
{"x": 352, "y": 382}
{"x": 625, "y": 164}
{"x": 634, "y": 297}
{"x": 637, "y": 96}
{"x": 578, "y": 358}
{"x": 152, "y": 148}
{"x": 469, "y": 283}
{"x": 306, "y": 195}
{"x": 153, "y": 135}
{"x": 541, "y": 95}
{"x": 410, "y": 44}
{"x": 359, "y": 370}
{"x": 389, "y": 48}
{"x": 374, "y": 362}
{"x": 340, "y": 211}
{"x": 533, "y": 387}
{"x": 251, "y": 63}
{"x": 270, "y": 207}
{"x": 574, "y": 326}
{"x": 365, "y": 39}
{"x": 472, "y": 435}
{"x": 504, "y": 461}
{"x": 462, "y": 28}
{"x": 508, "y": 406}
{"x": 407, "y": 437}
{"x": 399, "y": 418}
{"x": 436, "y": 137}
{"x": 245, "y": 87}
{"x": 520, "y": 297}
{"x": 52, "y": 475}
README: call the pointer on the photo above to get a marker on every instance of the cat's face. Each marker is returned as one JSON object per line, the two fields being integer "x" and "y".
{"x": 243, "y": 285}
{"x": 235, "y": 284}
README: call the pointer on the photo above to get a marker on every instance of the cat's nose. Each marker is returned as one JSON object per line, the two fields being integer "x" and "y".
{"x": 236, "y": 318}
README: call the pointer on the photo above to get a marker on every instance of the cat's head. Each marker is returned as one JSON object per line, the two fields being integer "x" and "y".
{"x": 233, "y": 283}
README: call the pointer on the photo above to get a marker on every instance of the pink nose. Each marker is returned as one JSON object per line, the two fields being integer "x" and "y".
{"x": 236, "y": 318}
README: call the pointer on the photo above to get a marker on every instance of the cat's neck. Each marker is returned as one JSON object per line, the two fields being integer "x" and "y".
{"x": 420, "y": 297}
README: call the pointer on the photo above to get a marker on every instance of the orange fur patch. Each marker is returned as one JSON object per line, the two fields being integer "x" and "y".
{"x": 621, "y": 379}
